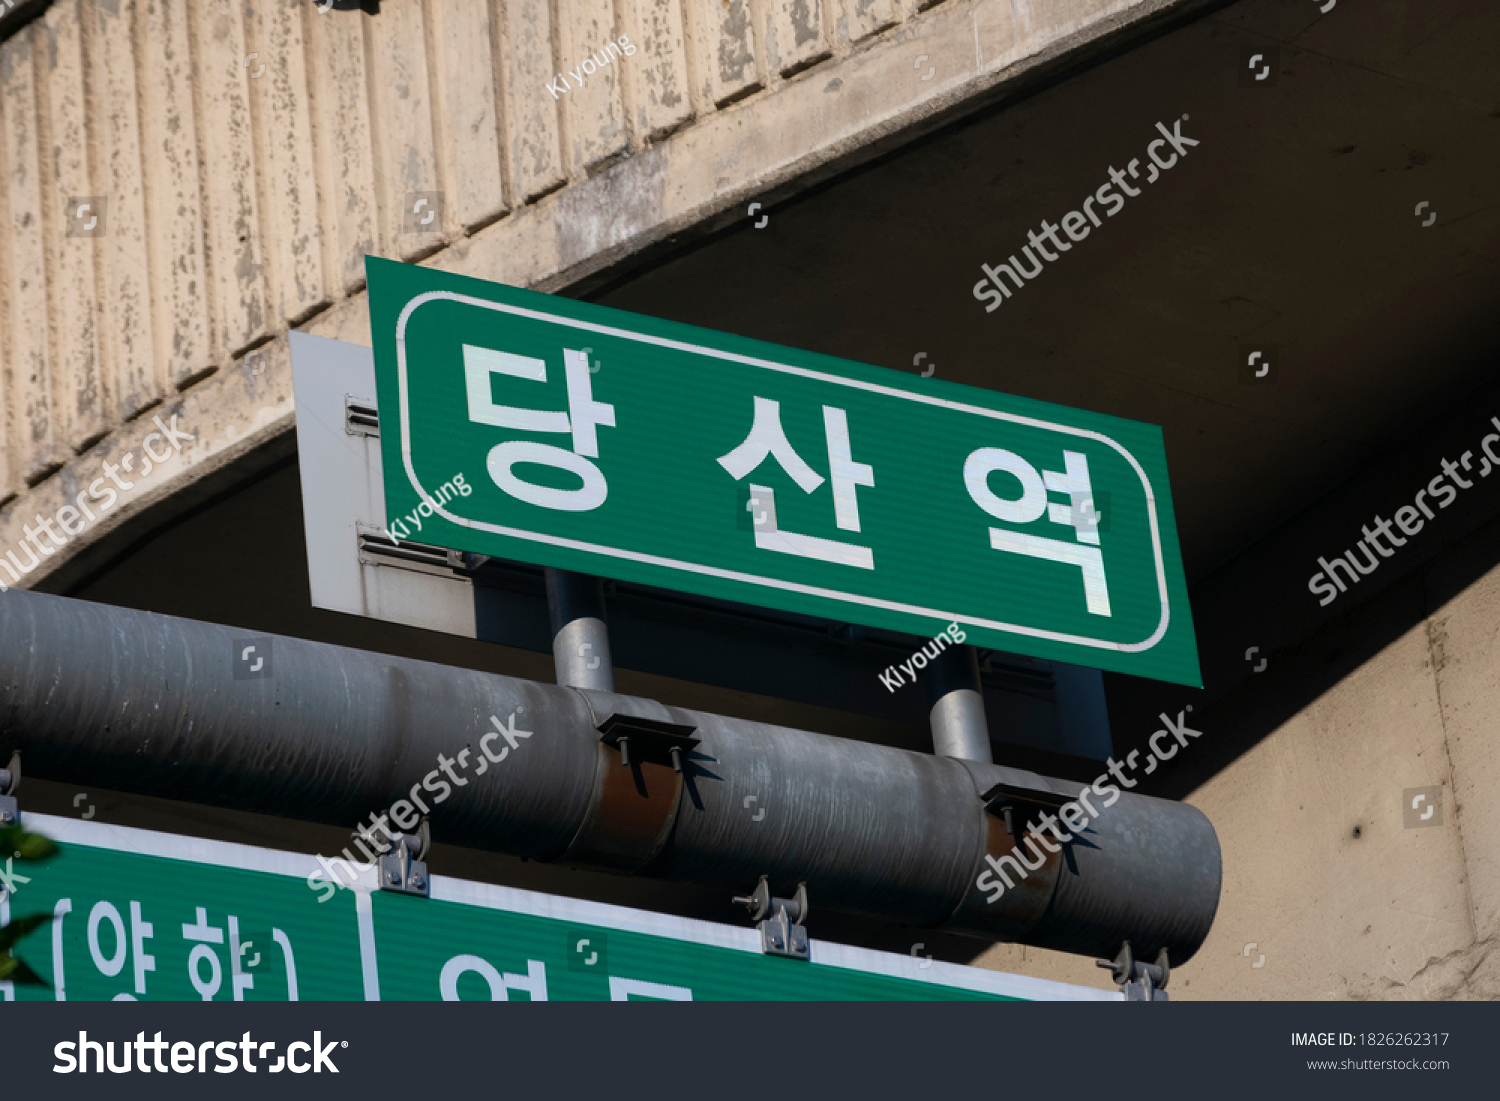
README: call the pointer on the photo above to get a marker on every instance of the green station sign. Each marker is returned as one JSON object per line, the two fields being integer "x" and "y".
{"x": 535, "y": 428}
{"x": 149, "y": 916}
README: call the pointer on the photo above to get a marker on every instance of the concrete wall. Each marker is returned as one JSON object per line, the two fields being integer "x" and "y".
{"x": 249, "y": 155}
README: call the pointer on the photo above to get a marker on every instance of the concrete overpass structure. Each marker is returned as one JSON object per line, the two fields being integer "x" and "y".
{"x": 894, "y": 147}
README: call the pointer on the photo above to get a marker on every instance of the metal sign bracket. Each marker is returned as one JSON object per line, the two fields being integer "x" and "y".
{"x": 1139, "y": 982}
{"x": 10, "y": 779}
{"x": 404, "y": 868}
{"x": 778, "y": 919}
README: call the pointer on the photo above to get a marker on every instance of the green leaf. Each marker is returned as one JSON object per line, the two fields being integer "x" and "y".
{"x": 14, "y": 841}
{"x": 11, "y": 968}
{"x": 18, "y": 972}
{"x": 19, "y": 928}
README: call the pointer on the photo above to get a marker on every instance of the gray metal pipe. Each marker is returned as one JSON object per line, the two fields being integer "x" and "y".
{"x": 169, "y": 707}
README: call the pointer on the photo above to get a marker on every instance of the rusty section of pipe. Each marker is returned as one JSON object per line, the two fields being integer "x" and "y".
{"x": 169, "y": 707}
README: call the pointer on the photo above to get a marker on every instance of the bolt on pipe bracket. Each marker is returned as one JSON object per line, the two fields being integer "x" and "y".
{"x": 648, "y": 740}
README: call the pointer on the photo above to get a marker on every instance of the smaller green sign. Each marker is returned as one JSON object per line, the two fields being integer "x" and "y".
{"x": 151, "y": 917}
{"x": 142, "y": 916}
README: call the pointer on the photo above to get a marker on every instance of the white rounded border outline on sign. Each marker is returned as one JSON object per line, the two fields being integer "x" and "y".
{"x": 753, "y": 579}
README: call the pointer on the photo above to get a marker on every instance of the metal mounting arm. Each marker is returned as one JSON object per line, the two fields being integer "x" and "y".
{"x": 1139, "y": 982}
{"x": 10, "y": 779}
{"x": 404, "y": 868}
{"x": 781, "y": 933}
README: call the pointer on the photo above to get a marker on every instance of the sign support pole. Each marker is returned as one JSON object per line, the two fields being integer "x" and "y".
{"x": 959, "y": 728}
{"x": 580, "y": 633}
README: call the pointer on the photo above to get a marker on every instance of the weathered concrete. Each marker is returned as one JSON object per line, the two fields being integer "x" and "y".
{"x": 466, "y": 117}
{"x": 282, "y": 114}
{"x": 344, "y": 110}
{"x": 71, "y": 260}
{"x": 169, "y": 128}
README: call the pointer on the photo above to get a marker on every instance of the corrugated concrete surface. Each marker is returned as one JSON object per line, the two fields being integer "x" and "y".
{"x": 242, "y": 159}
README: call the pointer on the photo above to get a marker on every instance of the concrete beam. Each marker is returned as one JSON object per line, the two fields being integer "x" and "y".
{"x": 867, "y": 95}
